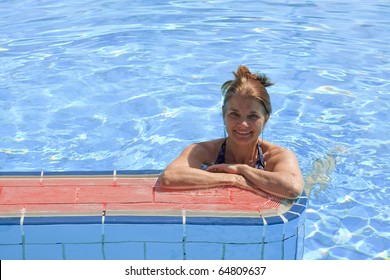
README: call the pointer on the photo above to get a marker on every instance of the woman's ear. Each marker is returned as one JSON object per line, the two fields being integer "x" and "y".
{"x": 265, "y": 122}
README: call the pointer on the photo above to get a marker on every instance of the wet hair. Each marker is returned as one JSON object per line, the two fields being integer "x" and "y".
{"x": 248, "y": 85}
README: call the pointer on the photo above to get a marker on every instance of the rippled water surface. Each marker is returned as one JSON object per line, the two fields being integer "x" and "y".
{"x": 103, "y": 85}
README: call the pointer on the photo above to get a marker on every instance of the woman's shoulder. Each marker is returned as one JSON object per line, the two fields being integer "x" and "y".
{"x": 269, "y": 146}
{"x": 279, "y": 158}
{"x": 207, "y": 150}
{"x": 272, "y": 150}
{"x": 210, "y": 146}
{"x": 202, "y": 152}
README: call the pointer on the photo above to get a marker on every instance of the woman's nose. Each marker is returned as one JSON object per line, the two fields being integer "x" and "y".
{"x": 243, "y": 122}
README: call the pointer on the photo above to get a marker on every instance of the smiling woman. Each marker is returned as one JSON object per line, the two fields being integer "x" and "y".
{"x": 241, "y": 160}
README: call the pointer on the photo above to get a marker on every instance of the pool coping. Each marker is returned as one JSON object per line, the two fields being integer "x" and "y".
{"x": 292, "y": 210}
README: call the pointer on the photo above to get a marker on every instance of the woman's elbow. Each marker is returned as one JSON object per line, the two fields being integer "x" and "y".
{"x": 167, "y": 179}
{"x": 295, "y": 189}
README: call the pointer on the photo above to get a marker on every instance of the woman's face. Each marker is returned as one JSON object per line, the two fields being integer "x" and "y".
{"x": 244, "y": 119}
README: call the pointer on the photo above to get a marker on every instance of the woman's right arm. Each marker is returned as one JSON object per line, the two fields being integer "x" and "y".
{"x": 185, "y": 172}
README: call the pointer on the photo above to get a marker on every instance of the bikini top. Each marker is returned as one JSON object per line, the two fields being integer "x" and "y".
{"x": 260, "y": 158}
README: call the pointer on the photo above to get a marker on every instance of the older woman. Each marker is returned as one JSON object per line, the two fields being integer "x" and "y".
{"x": 242, "y": 159}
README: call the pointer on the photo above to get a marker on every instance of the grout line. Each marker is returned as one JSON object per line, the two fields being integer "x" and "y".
{"x": 230, "y": 195}
{"x": 22, "y": 212}
{"x": 145, "y": 250}
{"x": 303, "y": 205}
{"x": 183, "y": 216}
{"x": 41, "y": 179}
{"x": 103, "y": 217}
{"x": 263, "y": 237}
{"x": 285, "y": 221}
{"x": 63, "y": 251}
{"x": 296, "y": 243}
{"x": 299, "y": 214}
{"x": 103, "y": 234}
{"x": 184, "y": 239}
{"x": 22, "y": 233}
{"x": 77, "y": 195}
{"x": 114, "y": 178}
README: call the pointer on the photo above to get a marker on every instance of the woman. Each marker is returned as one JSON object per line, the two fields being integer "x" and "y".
{"x": 242, "y": 159}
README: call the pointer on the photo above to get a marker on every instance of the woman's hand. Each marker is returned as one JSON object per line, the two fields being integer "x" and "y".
{"x": 224, "y": 168}
{"x": 239, "y": 180}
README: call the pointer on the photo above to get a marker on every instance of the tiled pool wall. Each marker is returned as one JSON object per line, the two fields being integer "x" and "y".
{"x": 154, "y": 237}
{"x": 127, "y": 237}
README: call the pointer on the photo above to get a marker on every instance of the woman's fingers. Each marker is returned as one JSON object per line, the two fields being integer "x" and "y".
{"x": 226, "y": 168}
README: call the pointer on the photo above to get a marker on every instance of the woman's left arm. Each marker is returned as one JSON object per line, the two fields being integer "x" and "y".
{"x": 282, "y": 176}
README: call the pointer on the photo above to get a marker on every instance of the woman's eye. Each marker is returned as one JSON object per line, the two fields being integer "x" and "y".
{"x": 234, "y": 114}
{"x": 253, "y": 117}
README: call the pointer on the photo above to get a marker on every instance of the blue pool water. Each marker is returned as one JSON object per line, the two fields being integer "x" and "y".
{"x": 108, "y": 85}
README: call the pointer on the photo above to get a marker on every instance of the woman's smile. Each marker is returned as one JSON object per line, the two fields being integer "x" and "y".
{"x": 243, "y": 133}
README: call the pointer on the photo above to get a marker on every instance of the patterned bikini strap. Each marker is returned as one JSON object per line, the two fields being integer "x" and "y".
{"x": 221, "y": 154}
{"x": 260, "y": 158}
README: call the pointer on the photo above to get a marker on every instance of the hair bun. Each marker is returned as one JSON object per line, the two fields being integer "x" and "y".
{"x": 243, "y": 71}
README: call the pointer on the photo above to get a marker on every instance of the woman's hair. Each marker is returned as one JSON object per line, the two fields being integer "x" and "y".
{"x": 249, "y": 85}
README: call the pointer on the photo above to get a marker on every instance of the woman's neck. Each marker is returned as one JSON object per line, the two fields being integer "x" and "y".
{"x": 240, "y": 154}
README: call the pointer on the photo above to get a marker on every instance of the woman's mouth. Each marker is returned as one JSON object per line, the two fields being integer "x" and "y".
{"x": 242, "y": 133}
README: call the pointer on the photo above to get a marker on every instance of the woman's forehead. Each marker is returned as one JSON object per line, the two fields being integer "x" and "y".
{"x": 238, "y": 103}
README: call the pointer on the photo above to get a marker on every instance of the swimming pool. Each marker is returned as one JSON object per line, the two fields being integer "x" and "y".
{"x": 117, "y": 85}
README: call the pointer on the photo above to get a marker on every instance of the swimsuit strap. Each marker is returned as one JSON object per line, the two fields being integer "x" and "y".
{"x": 221, "y": 155}
{"x": 260, "y": 158}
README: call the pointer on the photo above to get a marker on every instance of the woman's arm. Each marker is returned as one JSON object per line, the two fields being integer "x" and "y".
{"x": 283, "y": 176}
{"x": 185, "y": 173}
